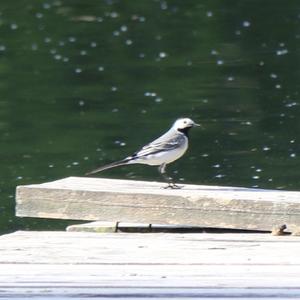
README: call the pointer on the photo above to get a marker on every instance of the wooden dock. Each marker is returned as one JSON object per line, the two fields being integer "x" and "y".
{"x": 83, "y": 263}
{"x": 64, "y": 265}
{"x": 148, "y": 202}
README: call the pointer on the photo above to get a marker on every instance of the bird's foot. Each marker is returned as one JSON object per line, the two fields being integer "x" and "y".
{"x": 174, "y": 186}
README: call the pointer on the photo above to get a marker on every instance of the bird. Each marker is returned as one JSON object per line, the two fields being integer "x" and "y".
{"x": 160, "y": 152}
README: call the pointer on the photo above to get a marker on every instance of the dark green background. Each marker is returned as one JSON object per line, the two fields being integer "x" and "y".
{"x": 83, "y": 83}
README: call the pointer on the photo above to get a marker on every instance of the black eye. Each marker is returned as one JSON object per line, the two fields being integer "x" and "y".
{"x": 184, "y": 122}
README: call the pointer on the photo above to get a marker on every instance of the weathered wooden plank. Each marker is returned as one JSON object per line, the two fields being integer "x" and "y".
{"x": 135, "y": 293}
{"x": 133, "y": 266}
{"x": 147, "y": 202}
{"x": 99, "y": 226}
{"x": 151, "y": 248}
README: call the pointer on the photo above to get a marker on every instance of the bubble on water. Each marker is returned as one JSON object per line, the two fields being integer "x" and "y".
{"x": 246, "y": 24}
{"x": 2, "y": 48}
{"x": 93, "y": 44}
{"x": 86, "y": 158}
{"x": 81, "y": 103}
{"x": 47, "y": 40}
{"x": 278, "y": 86}
{"x": 232, "y": 133}
{"x": 83, "y": 52}
{"x": 99, "y": 19}
{"x": 282, "y": 52}
{"x": 75, "y": 163}
{"x": 255, "y": 177}
{"x": 46, "y": 6}
{"x": 143, "y": 111}
{"x": 163, "y": 5}
{"x": 100, "y": 68}
{"x": 78, "y": 70}
{"x": 150, "y": 94}
{"x": 238, "y": 32}
{"x": 122, "y": 144}
{"x": 209, "y": 14}
{"x": 258, "y": 170}
{"x": 214, "y": 52}
{"x": 39, "y": 15}
{"x": 124, "y": 28}
{"x": 158, "y": 100}
{"x": 230, "y": 78}
{"x": 19, "y": 177}
{"x": 205, "y": 155}
{"x": 14, "y": 26}
{"x": 142, "y": 19}
{"x": 292, "y": 141}
{"x": 248, "y": 123}
{"x": 57, "y": 57}
{"x": 61, "y": 43}
{"x": 50, "y": 165}
{"x": 273, "y": 75}
{"x": 142, "y": 55}
{"x": 220, "y": 176}
{"x": 114, "y": 88}
{"x": 266, "y": 148}
{"x": 128, "y": 42}
{"x": 114, "y": 14}
{"x": 163, "y": 54}
{"x": 115, "y": 110}
{"x": 293, "y": 155}
{"x": 216, "y": 166}
{"x": 220, "y": 62}
{"x": 116, "y": 33}
{"x": 261, "y": 63}
{"x": 34, "y": 47}
{"x": 65, "y": 59}
{"x": 291, "y": 104}
{"x": 72, "y": 39}
{"x": 53, "y": 51}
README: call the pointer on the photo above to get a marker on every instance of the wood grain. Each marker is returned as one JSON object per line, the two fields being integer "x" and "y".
{"x": 148, "y": 202}
{"x": 132, "y": 265}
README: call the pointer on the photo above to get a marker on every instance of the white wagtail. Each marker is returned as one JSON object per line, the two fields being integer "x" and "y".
{"x": 162, "y": 151}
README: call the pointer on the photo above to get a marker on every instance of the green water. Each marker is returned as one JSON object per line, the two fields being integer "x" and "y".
{"x": 84, "y": 83}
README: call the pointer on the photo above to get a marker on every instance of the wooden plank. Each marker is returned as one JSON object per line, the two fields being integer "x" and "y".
{"x": 100, "y": 227}
{"x": 131, "y": 201}
{"x": 161, "y": 265}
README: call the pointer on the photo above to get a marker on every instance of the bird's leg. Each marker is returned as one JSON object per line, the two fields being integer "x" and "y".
{"x": 169, "y": 180}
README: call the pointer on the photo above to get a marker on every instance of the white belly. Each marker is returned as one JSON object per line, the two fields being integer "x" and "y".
{"x": 163, "y": 157}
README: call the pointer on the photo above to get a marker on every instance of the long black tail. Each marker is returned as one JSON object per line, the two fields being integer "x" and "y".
{"x": 109, "y": 166}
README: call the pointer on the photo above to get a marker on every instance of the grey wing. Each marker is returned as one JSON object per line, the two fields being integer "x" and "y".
{"x": 163, "y": 143}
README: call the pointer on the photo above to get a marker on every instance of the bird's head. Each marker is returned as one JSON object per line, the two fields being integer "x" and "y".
{"x": 184, "y": 124}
